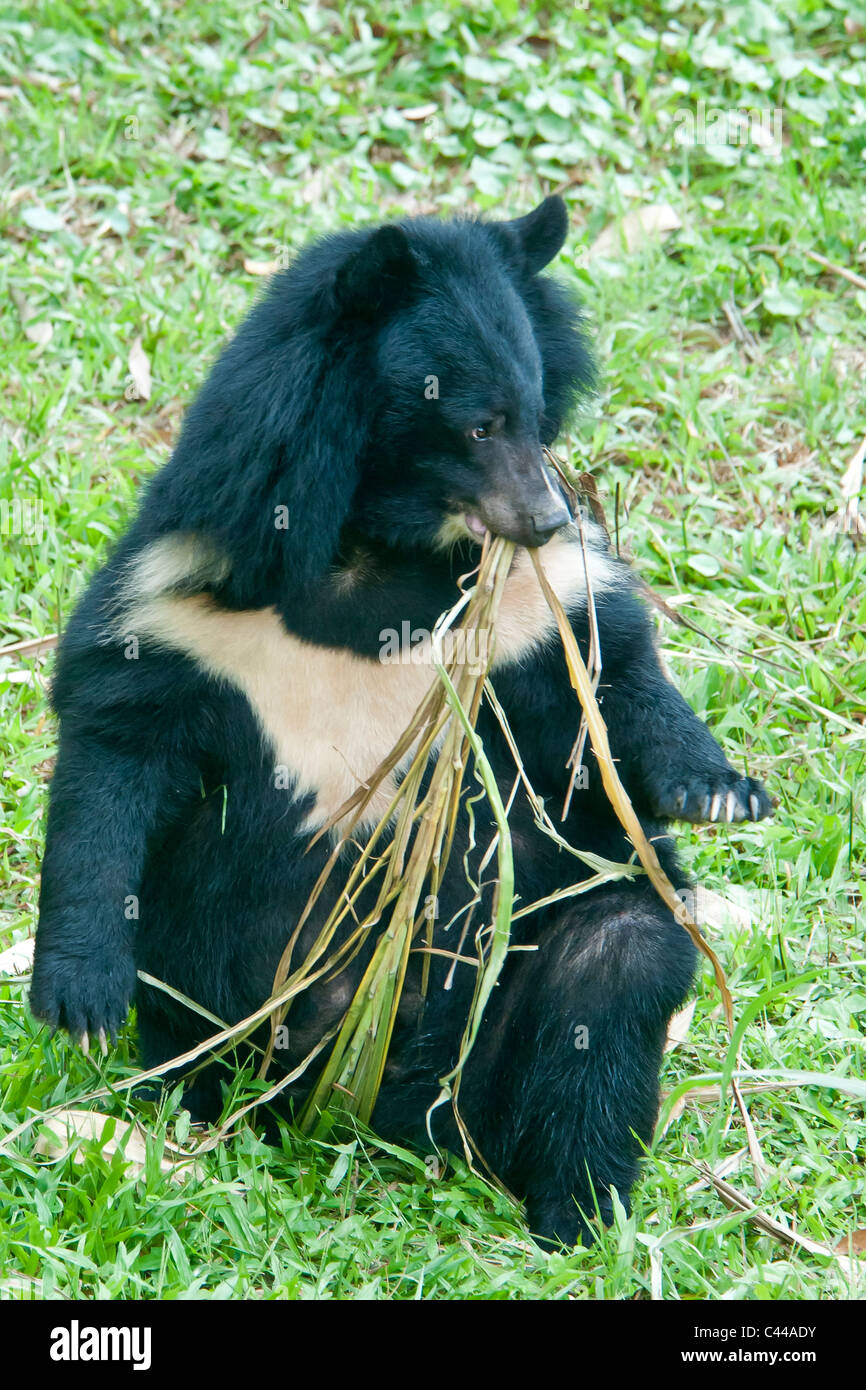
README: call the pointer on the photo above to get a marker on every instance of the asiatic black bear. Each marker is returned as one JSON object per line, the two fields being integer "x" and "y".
{"x": 221, "y": 693}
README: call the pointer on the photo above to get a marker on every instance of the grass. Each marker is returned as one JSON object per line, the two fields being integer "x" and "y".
{"x": 152, "y": 159}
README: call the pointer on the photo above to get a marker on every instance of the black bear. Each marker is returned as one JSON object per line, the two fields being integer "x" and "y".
{"x": 221, "y": 692}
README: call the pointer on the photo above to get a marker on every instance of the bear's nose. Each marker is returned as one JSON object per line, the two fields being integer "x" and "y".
{"x": 546, "y": 523}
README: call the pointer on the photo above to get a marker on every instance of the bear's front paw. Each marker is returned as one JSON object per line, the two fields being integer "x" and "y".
{"x": 88, "y": 999}
{"x": 719, "y": 795}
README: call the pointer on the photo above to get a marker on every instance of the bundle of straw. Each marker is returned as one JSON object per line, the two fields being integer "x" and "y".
{"x": 409, "y": 851}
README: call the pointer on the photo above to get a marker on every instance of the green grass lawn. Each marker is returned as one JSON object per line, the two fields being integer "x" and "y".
{"x": 155, "y": 159}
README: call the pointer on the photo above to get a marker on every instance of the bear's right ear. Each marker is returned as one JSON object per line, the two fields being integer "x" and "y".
{"x": 539, "y": 236}
{"x": 376, "y": 274}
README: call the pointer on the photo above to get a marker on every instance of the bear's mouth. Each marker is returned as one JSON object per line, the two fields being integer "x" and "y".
{"x": 475, "y": 525}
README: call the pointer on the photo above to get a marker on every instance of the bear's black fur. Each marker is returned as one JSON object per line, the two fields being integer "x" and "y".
{"x": 384, "y": 403}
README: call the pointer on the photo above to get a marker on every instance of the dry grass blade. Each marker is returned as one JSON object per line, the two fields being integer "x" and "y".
{"x": 30, "y": 646}
{"x": 841, "y": 270}
{"x": 575, "y": 761}
{"x": 619, "y": 800}
{"x": 789, "y": 1235}
{"x": 605, "y": 869}
{"x": 616, "y": 792}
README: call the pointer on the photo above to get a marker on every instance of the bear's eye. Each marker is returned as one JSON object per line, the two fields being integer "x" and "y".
{"x": 488, "y": 429}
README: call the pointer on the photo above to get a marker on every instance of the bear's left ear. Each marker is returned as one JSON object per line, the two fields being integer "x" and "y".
{"x": 537, "y": 237}
{"x": 375, "y": 275}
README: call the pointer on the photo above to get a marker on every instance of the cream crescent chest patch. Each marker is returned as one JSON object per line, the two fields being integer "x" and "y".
{"x": 329, "y": 715}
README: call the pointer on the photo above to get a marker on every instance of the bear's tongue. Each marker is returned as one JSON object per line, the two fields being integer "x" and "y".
{"x": 476, "y": 525}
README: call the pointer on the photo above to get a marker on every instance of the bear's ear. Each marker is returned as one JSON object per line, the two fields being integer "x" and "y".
{"x": 376, "y": 274}
{"x": 537, "y": 237}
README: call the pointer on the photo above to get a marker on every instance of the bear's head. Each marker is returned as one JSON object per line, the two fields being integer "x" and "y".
{"x": 400, "y": 381}
{"x": 474, "y": 361}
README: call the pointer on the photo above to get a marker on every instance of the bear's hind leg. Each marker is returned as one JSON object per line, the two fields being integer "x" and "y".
{"x": 571, "y": 1054}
